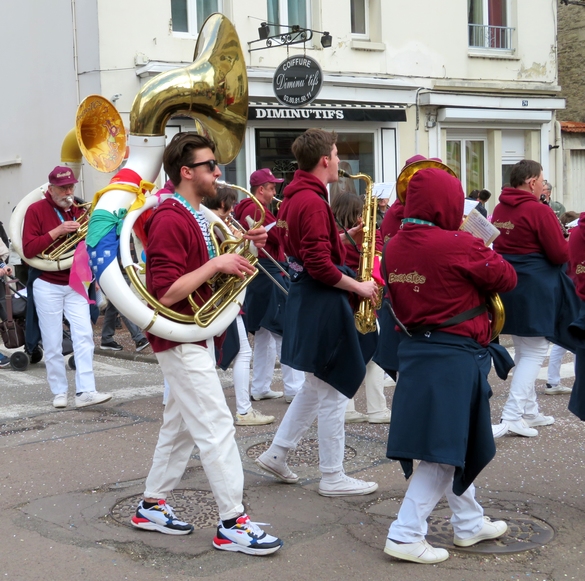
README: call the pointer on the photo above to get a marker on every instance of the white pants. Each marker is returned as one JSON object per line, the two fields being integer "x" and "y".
{"x": 241, "y": 370}
{"x": 429, "y": 483}
{"x": 316, "y": 399}
{"x": 267, "y": 346}
{"x": 554, "y": 365}
{"x": 529, "y": 356}
{"x": 51, "y": 301}
{"x": 196, "y": 414}
{"x": 375, "y": 398}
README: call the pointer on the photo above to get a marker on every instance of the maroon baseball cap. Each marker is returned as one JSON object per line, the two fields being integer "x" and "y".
{"x": 263, "y": 176}
{"x": 62, "y": 176}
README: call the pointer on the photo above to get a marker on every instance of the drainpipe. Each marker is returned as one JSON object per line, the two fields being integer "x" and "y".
{"x": 559, "y": 174}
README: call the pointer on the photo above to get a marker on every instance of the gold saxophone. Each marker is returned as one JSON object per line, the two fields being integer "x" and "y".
{"x": 365, "y": 315}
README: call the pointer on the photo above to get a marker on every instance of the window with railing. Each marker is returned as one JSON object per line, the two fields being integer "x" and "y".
{"x": 488, "y": 24}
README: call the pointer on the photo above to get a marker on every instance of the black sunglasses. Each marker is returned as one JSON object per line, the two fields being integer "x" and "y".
{"x": 212, "y": 163}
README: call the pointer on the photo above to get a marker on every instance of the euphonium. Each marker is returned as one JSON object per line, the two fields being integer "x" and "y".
{"x": 493, "y": 301}
{"x": 365, "y": 315}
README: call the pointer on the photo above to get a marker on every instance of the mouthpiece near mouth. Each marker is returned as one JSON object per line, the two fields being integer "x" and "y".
{"x": 342, "y": 173}
{"x": 69, "y": 199}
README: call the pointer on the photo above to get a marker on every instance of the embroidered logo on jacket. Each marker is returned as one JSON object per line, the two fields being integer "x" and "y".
{"x": 411, "y": 277}
{"x": 507, "y": 226}
{"x": 282, "y": 224}
{"x": 580, "y": 269}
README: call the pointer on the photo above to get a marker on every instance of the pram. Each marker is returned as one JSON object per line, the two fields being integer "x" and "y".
{"x": 13, "y": 307}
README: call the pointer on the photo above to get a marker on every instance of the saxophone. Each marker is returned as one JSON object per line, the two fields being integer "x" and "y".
{"x": 365, "y": 315}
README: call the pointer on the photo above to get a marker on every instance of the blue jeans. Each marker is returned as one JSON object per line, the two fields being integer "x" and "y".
{"x": 109, "y": 328}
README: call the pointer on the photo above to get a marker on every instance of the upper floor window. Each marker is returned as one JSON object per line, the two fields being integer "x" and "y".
{"x": 359, "y": 18}
{"x": 289, "y": 12}
{"x": 488, "y": 24}
{"x": 189, "y": 15}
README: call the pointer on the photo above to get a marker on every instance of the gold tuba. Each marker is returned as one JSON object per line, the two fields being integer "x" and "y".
{"x": 493, "y": 301}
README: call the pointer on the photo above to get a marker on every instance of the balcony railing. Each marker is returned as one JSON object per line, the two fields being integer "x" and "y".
{"x": 490, "y": 37}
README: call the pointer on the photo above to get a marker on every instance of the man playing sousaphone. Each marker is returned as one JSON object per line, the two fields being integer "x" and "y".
{"x": 180, "y": 260}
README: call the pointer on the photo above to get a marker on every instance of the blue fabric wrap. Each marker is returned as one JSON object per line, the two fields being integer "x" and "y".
{"x": 544, "y": 302}
{"x": 386, "y": 355}
{"x": 230, "y": 347}
{"x": 577, "y": 400}
{"x": 320, "y": 335}
{"x": 104, "y": 252}
{"x": 265, "y": 303}
{"x": 440, "y": 410}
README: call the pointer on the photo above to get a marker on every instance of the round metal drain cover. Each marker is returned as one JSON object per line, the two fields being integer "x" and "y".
{"x": 306, "y": 453}
{"x": 524, "y": 533}
{"x": 197, "y": 507}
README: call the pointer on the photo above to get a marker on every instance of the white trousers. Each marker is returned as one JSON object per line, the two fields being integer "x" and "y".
{"x": 375, "y": 398}
{"x": 316, "y": 399}
{"x": 429, "y": 483}
{"x": 267, "y": 346}
{"x": 51, "y": 301}
{"x": 554, "y": 365}
{"x": 241, "y": 370}
{"x": 196, "y": 414}
{"x": 528, "y": 357}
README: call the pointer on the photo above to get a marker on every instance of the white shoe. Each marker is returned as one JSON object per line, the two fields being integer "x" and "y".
{"x": 88, "y": 398}
{"x": 380, "y": 417}
{"x": 288, "y": 398}
{"x": 556, "y": 389}
{"x": 521, "y": 428}
{"x": 420, "y": 552}
{"x": 267, "y": 395}
{"x": 355, "y": 417}
{"x": 279, "y": 470}
{"x": 490, "y": 530}
{"x": 60, "y": 401}
{"x": 499, "y": 430}
{"x": 253, "y": 418}
{"x": 539, "y": 420}
{"x": 346, "y": 486}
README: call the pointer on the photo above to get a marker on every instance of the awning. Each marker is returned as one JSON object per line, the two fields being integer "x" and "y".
{"x": 336, "y": 112}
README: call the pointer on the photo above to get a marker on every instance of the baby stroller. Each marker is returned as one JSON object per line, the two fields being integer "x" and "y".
{"x": 13, "y": 306}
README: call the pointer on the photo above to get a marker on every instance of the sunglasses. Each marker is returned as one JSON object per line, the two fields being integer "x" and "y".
{"x": 212, "y": 163}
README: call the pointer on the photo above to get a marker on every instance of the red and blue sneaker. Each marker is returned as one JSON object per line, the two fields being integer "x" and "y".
{"x": 246, "y": 537}
{"x": 161, "y": 518}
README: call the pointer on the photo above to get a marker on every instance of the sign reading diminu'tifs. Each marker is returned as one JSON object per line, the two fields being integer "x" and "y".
{"x": 297, "y": 81}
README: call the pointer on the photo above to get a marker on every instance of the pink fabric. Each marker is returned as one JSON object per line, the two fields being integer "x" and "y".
{"x": 80, "y": 275}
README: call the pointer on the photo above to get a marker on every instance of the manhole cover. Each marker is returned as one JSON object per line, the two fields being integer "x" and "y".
{"x": 524, "y": 533}
{"x": 197, "y": 507}
{"x": 306, "y": 453}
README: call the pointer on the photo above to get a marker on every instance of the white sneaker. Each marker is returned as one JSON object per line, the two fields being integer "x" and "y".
{"x": 380, "y": 417}
{"x": 490, "y": 530}
{"x": 253, "y": 418}
{"x": 288, "y": 398}
{"x": 267, "y": 395}
{"x": 279, "y": 470}
{"x": 420, "y": 552}
{"x": 521, "y": 428}
{"x": 88, "y": 398}
{"x": 499, "y": 430}
{"x": 355, "y": 417}
{"x": 556, "y": 389}
{"x": 346, "y": 486}
{"x": 539, "y": 420}
{"x": 60, "y": 401}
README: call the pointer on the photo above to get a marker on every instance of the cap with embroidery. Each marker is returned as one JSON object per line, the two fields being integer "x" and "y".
{"x": 263, "y": 176}
{"x": 62, "y": 176}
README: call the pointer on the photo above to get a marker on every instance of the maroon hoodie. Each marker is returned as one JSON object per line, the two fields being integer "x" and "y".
{"x": 307, "y": 228}
{"x": 436, "y": 271}
{"x": 527, "y": 226}
{"x": 247, "y": 207}
{"x": 577, "y": 256}
{"x": 392, "y": 220}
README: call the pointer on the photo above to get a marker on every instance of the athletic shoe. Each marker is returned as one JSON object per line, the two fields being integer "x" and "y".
{"x": 420, "y": 552}
{"x": 499, "y": 430}
{"x": 88, "y": 398}
{"x": 245, "y": 537}
{"x": 279, "y": 470}
{"x": 253, "y": 418}
{"x": 380, "y": 417}
{"x": 490, "y": 530}
{"x": 161, "y": 518}
{"x": 60, "y": 401}
{"x": 4, "y": 361}
{"x": 346, "y": 486}
{"x": 354, "y": 417}
{"x": 111, "y": 346}
{"x": 521, "y": 428}
{"x": 556, "y": 389}
{"x": 267, "y": 395}
{"x": 142, "y": 344}
{"x": 539, "y": 420}
{"x": 288, "y": 398}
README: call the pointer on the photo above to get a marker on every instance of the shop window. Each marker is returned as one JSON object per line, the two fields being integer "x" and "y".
{"x": 360, "y": 18}
{"x": 290, "y": 13}
{"x": 189, "y": 15}
{"x": 489, "y": 24}
{"x": 466, "y": 157}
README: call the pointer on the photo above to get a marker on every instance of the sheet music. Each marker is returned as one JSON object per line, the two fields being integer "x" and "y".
{"x": 479, "y": 226}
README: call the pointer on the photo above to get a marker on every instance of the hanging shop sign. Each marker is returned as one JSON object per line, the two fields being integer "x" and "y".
{"x": 297, "y": 81}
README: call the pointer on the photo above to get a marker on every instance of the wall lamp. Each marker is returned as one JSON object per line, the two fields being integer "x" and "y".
{"x": 295, "y": 35}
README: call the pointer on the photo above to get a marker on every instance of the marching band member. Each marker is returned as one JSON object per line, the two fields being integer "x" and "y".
{"x": 180, "y": 260}
{"x": 438, "y": 278}
{"x": 320, "y": 336}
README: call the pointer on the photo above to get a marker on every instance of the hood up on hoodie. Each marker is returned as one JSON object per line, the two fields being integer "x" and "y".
{"x": 435, "y": 196}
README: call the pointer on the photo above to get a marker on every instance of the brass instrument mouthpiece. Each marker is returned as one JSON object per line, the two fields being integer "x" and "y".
{"x": 343, "y": 174}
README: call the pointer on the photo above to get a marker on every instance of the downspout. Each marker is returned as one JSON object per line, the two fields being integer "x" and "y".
{"x": 559, "y": 174}
{"x": 75, "y": 53}
{"x": 417, "y": 117}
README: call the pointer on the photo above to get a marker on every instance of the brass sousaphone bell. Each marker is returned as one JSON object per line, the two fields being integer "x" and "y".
{"x": 493, "y": 300}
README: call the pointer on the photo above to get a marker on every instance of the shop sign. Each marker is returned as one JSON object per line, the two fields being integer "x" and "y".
{"x": 297, "y": 81}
